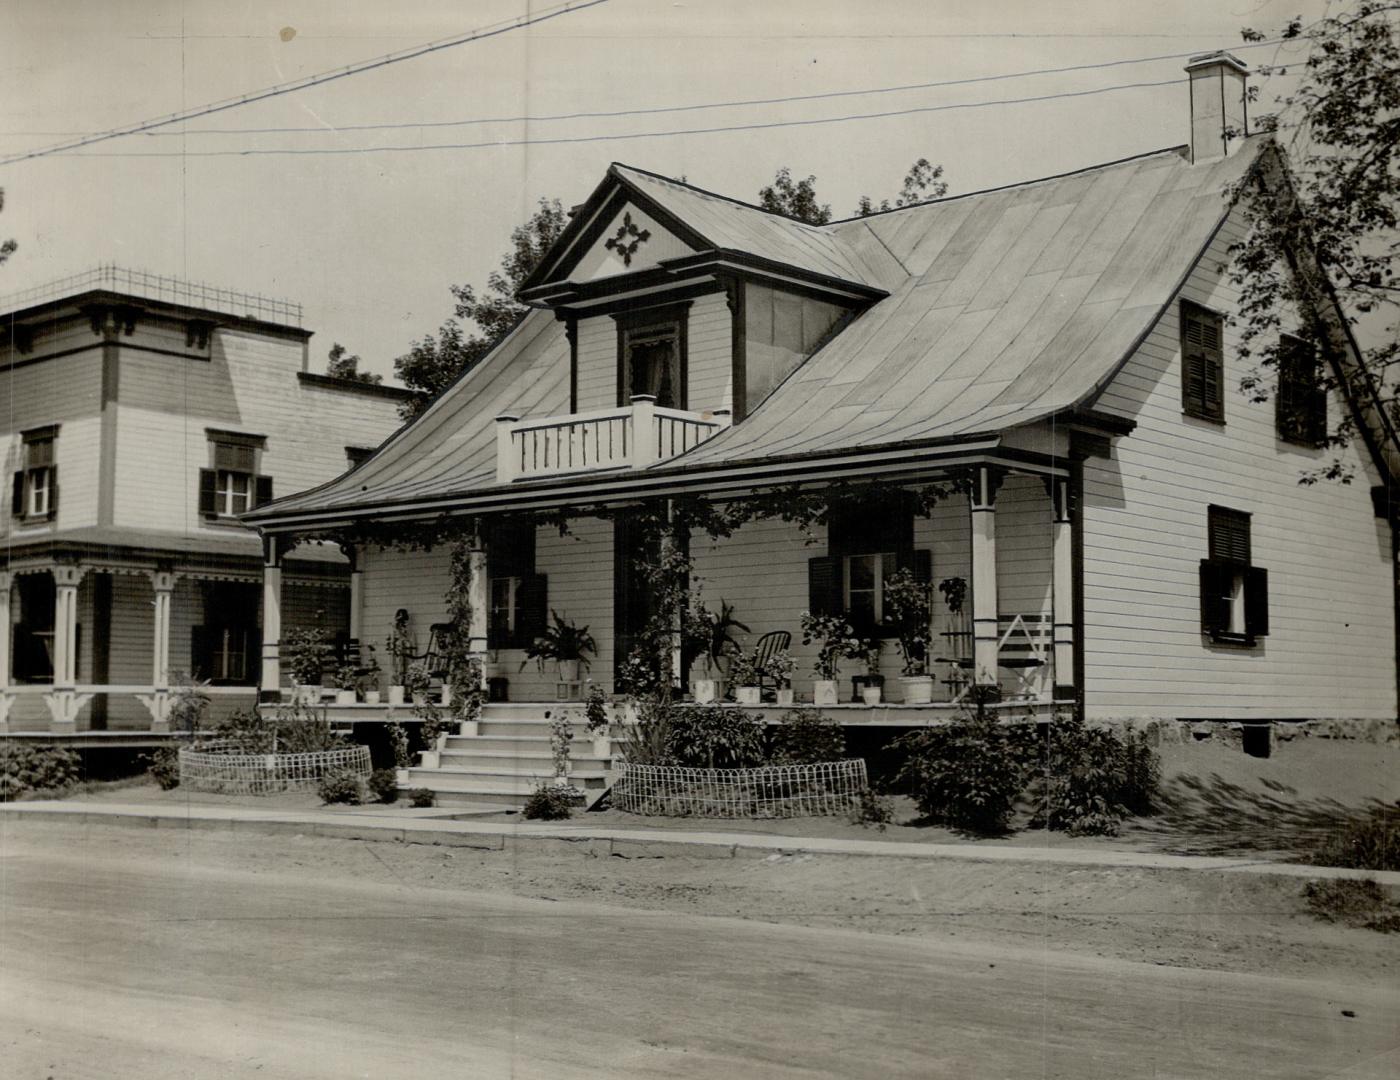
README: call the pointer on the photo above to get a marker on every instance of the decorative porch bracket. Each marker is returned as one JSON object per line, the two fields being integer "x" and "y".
{"x": 65, "y": 703}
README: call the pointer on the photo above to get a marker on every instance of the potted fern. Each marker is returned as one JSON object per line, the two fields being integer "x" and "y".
{"x": 711, "y": 633}
{"x": 564, "y": 642}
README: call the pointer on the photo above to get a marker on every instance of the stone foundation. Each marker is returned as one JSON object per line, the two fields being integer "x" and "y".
{"x": 1232, "y": 732}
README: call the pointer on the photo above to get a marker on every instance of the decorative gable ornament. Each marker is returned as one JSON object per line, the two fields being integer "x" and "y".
{"x": 621, "y": 245}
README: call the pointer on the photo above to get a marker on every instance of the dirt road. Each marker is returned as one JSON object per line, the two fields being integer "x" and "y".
{"x": 156, "y": 955}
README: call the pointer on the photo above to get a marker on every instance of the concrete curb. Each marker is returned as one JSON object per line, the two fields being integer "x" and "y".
{"x": 633, "y": 843}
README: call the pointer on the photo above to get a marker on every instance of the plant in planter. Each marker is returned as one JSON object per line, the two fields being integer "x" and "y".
{"x": 307, "y": 652}
{"x": 417, "y": 680}
{"x": 367, "y": 678}
{"x": 709, "y": 636}
{"x": 780, "y": 668}
{"x": 595, "y": 712}
{"x": 872, "y": 683}
{"x": 399, "y": 648}
{"x": 347, "y": 677}
{"x": 745, "y": 672}
{"x": 561, "y": 734}
{"x": 835, "y": 639}
{"x": 564, "y": 642}
{"x": 910, "y": 608}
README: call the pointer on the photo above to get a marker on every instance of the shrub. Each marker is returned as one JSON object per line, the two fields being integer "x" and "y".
{"x": 595, "y": 710}
{"x": 648, "y": 741}
{"x": 398, "y": 744}
{"x": 552, "y": 802}
{"x": 343, "y": 787}
{"x": 1371, "y": 842}
{"x": 1085, "y": 780}
{"x": 713, "y": 738}
{"x": 561, "y": 734}
{"x": 163, "y": 764}
{"x": 964, "y": 774}
{"x": 295, "y": 729}
{"x": 420, "y": 798}
{"x": 1353, "y": 902}
{"x": 384, "y": 785}
{"x": 36, "y": 768}
{"x": 189, "y": 705}
{"x": 805, "y": 737}
{"x": 872, "y": 809}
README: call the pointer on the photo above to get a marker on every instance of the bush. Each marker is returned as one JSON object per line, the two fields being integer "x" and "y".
{"x": 806, "y": 737}
{"x": 552, "y": 802}
{"x": 384, "y": 785}
{"x": 296, "y": 729}
{"x": 36, "y": 768}
{"x": 714, "y": 738}
{"x": 420, "y": 798}
{"x": 872, "y": 809}
{"x": 964, "y": 774}
{"x": 1371, "y": 842}
{"x": 163, "y": 764}
{"x": 1085, "y": 781}
{"x": 1353, "y": 902}
{"x": 343, "y": 787}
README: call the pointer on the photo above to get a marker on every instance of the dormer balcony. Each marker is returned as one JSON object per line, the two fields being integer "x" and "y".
{"x": 628, "y": 437}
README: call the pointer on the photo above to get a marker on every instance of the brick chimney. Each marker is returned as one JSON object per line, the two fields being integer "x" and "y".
{"x": 1217, "y": 104}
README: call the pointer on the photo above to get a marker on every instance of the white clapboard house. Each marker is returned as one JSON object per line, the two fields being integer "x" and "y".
{"x": 1136, "y": 540}
{"x": 139, "y": 417}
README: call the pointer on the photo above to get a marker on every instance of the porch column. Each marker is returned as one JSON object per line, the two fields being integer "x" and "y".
{"x": 357, "y": 594}
{"x": 163, "y": 585}
{"x": 1063, "y": 588}
{"x": 65, "y": 702}
{"x": 668, "y": 549}
{"x": 270, "y": 685}
{"x": 478, "y": 596}
{"x": 6, "y": 581}
{"x": 986, "y": 481}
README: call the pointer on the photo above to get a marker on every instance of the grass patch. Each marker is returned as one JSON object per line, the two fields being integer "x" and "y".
{"x": 1359, "y": 902}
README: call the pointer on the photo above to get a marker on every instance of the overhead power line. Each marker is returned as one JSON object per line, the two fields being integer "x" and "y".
{"x": 480, "y": 34}
{"x": 629, "y": 136}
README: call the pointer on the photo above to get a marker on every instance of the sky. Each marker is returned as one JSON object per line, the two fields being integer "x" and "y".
{"x": 368, "y": 239}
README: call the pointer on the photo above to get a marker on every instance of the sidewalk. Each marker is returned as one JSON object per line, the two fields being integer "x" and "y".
{"x": 625, "y": 843}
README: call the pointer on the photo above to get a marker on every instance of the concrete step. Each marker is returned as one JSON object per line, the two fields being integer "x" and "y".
{"x": 452, "y": 788}
{"x": 459, "y": 773}
{"x": 517, "y": 761}
{"x": 523, "y": 725}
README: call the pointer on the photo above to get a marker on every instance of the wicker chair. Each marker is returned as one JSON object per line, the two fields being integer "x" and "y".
{"x": 769, "y": 645}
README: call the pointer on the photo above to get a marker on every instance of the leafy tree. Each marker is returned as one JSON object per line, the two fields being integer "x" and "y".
{"x": 922, "y": 182}
{"x": 1329, "y": 220}
{"x": 434, "y": 361}
{"x": 340, "y": 365}
{"x": 8, "y": 247}
{"x": 798, "y": 198}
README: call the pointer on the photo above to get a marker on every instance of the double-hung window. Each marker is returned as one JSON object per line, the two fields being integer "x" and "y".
{"x": 517, "y": 594}
{"x": 866, "y": 547}
{"x": 35, "y": 495}
{"x": 1202, "y": 362}
{"x": 233, "y": 486}
{"x": 651, "y": 347}
{"x": 1234, "y": 592}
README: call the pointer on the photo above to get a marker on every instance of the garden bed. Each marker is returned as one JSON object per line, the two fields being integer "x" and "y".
{"x": 771, "y": 791}
{"x": 230, "y": 770}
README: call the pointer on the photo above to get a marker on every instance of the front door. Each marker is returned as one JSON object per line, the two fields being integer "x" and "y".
{"x": 632, "y": 602}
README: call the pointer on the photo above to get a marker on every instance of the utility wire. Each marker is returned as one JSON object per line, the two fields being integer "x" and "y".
{"x": 629, "y": 136}
{"x": 491, "y": 30}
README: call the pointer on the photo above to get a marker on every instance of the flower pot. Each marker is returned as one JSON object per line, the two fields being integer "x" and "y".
{"x": 916, "y": 689}
{"x": 561, "y": 780}
{"x": 870, "y": 695}
{"x": 309, "y": 694}
{"x": 706, "y": 690}
{"x": 747, "y": 695}
{"x": 371, "y": 697}
{"x": 429, "y": 759}
{"x": 824, "y": 692}
{"x": 569, "y": 670}
{"x": 401, "y": 777}
{"x": 396, "y": 695}
{"x": 602, "y": 746}
{"x": 446, "y": 695}
{"x": 345, "y": 697}
{"x": 786, "y": 697}
{"x": 470, "y": 728}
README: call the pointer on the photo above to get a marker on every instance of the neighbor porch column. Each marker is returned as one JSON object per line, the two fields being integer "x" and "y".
{"x": 985, "y": 483}
{"x": 669, "y": 544}
{"x": 270, "y": 684}
{"x": 478, "y": 596}
{"x": 357, "y": 599}
{"x": 163, "y": 585}
{"x": 64, "y": 703}
{"x": 6, "y": 580}
{"x": 1063, "y": 588}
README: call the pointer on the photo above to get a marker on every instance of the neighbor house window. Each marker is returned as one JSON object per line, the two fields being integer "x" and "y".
{"x": 866, "y": 546}
{"x": 33, "y": 629}
{"x": 233, "y": 486}
{"x": 1202, "y": 362}
{"x": 1234, "y": 592}
{"x": 225, "y": 647}
{"x": 35, "y": 495}
{"x": 517, "y": 594}
{"x": 1301, "y": 399}
{"x": 652, "y": 355}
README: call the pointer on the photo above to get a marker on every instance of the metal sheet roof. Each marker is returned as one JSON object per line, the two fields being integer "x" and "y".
{"x": 1005, "y": 307}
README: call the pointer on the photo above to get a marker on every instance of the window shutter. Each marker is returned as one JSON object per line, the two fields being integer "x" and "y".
{"x": 17, "y": 496}
{"x": 201, "y": 662}
{"x": 208, "y": 500}
{"x": 53, "y": 492}
{"x": 262, "y": 490}
{"x": 919, "y": 562}
{"x": 1202, "y": 362}
{"x": 1216, "y": 581}
{"x": 1256, "y": 602}
{"x": 824, "y": 585}
{"x": 1229, "y": 536}
{"x": 496, "y": 635}
{"x": 233, "y": 457}
{"x": 531, "y": 608}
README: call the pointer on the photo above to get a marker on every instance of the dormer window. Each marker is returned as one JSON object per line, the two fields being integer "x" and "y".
{"x": 651, "y": 355}
{"x": 36, "y": 484}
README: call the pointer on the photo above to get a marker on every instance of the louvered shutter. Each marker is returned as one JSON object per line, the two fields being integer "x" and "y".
{"x": 531, "y": 608}
{"x": 1216, "y": 582}
{"x": 233, "y": 457}
{"x": 824, "y": 585}
{"x": 17, "y": 495}
{"x": 1256, "y": 602}
{"x": 262, "y": 490}
{"x": 53, "y": 492}
{"x": 1229, "y": 540}
{"x": 201, "y": 649}
{"x": 208, "y": 498}
{"x": 1202, "y": 362}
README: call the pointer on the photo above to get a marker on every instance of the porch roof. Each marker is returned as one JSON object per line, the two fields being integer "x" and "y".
{"x": 241, "y": 549}
{"x": 1006, "y": 307}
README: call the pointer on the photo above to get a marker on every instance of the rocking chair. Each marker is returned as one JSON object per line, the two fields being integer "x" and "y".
{"x": 769, "y": 645}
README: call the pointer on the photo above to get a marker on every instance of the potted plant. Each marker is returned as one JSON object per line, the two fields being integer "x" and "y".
{"x": 595, "y": 712}
{"x": 367, "y": 679}
{"x": 561, "y": 734}
{"x": 872, "y": 683}
{"x": 780, "y": 667}
{"x": 347, "y": 675}
{"x": 744, "y": 672}
{"x": 710, "y": 634}
{"x": 306, "y": 652}
{"x": 417, "y": 680}
{"x": 398, "y": 646}
{"x": 908, "y": 602}
{"x": 564, "y": 642}
{"x": 835, "y": 639}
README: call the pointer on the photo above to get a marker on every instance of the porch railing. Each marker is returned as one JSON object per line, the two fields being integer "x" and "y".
{"x": 629, "y": 437}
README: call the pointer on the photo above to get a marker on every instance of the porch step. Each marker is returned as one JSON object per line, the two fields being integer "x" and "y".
{"x": 528, "y": 726}
{"x": 532, "y": 761}
{"x": 512, "y": 743}
{"x": 525, "y": 780}
{"x": 455, "y": 788}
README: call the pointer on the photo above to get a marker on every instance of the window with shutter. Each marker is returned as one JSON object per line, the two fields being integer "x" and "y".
{"x": 232, "y": 486}
{"x": 867, "y": 545}
{"x": 517, "y": 594}
{"x": 1234, "y": 593}
{"x": 1301, "y": 401}
{"x": 35, "y": 495}
{"x": 1202, "y": 362}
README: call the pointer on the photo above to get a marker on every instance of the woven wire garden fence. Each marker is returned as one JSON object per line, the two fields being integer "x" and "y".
{"x": 773, "y": 791}
{"x": 233, "y": 772}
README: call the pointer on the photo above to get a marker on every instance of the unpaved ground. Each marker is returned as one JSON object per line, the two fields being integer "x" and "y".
{"x": 1216, "y": 920}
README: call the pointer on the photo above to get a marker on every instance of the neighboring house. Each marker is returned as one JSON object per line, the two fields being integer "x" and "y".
{"x": 139, "y": 416}
{"x": 1136, "y": 541}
